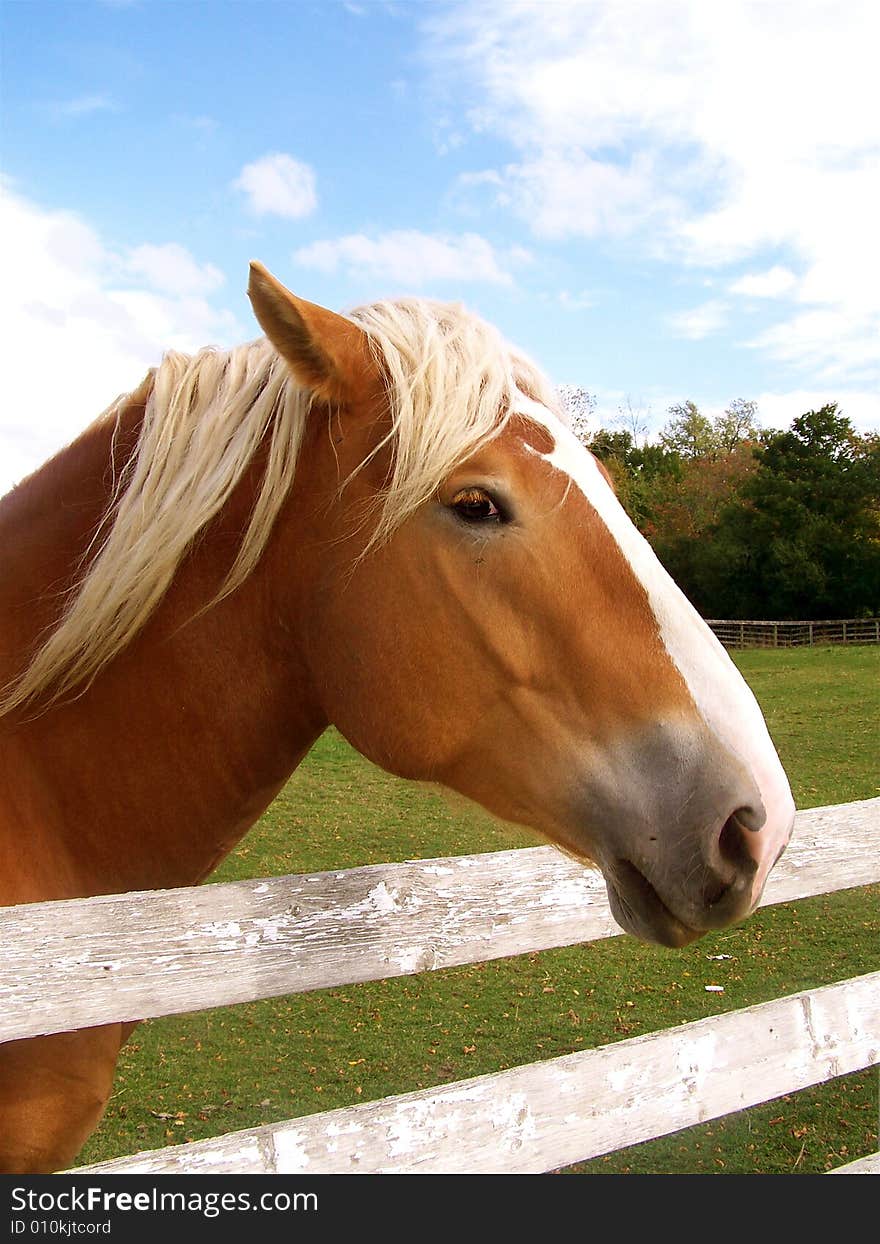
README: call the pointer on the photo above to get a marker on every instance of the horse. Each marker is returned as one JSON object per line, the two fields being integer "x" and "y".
{"x": 379, "y": 521}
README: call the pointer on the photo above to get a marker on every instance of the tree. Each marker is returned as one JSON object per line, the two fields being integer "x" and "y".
{"x": 738, "y": 423}
{"x": 580, "y": 406}
{"x": 757, "y": 524}
{"x": 802, "y": 537}
{"x": 635, "y": 418}
{"x": 688, "y": 432}
{"x": 643, "y": 475}
{"x": 607, "y": 444}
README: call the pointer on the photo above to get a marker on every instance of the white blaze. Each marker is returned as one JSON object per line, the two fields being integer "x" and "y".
{"x": 717, "y": 689}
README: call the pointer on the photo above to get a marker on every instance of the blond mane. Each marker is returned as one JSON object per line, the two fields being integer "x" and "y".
{"x": 451, "y": 379}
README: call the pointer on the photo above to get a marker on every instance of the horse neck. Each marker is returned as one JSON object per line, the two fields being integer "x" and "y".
{"x": 153, "y": 774}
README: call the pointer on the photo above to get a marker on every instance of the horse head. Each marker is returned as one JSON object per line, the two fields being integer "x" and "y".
{"x": 484, "y": 614}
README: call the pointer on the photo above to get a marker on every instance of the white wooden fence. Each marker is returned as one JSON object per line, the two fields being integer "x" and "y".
{"x": 125, "y": 957}
{"x": 734, "y": 633}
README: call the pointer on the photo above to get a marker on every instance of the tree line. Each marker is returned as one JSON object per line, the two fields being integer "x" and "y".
{"x": 752, "y": 523}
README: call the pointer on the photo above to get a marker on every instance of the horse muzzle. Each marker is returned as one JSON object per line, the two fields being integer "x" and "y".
{"x": 685, "y": 838}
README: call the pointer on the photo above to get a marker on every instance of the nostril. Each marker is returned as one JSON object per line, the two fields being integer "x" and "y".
{"x": 751, "y": 816}
{"x": 733, "y": 844}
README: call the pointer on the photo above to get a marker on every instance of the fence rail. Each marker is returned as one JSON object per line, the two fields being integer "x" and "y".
{"x": 136, "y": 956}
{"x": 554, "y": 1113}
{"x": 81, "y": 962}
{"x": 734, "y": 633}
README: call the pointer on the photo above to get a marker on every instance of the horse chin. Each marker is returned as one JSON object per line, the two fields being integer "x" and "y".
{"x": 638, "y": 908}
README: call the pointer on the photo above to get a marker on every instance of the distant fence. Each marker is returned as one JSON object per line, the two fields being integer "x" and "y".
{"x": 734, "y": 633}
{"x": 123, "y": 957}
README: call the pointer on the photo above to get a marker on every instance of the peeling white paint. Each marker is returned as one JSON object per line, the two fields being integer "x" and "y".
{"x": 381, "y": 899}
{"x": 416, "y": 959}
{"x": 73, "y": 961}
{"x": 513, "y": 1118}
{"x": 695, "y": 1059}
{"x": 620, "y": 1078}
{"x": 291, "y": 1154}
{"x": 217, "y": 928}
{"x": 571, "y": 892}
{"x": 269, "y": 929}
{"x": 410, "y": 1123}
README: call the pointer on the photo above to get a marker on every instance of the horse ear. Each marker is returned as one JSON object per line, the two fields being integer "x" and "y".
{"x": 326, "y": 352}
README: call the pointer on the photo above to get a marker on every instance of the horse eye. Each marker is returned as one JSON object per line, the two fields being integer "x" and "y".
{"x": 476, "y": 506}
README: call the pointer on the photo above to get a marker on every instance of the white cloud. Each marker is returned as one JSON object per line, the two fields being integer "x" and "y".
{"x": 773, "y": 283}
{"x": 711, "y": 135}
{"x": 583, "y": 300}
{"x": 83, "y": 106}
{"x": 412, "y": 259}
{"x": 700, "y": 321}
{"x": 777, "y": 410}
{"x": 200, "y": 122}
{"x": 82, "y": 323}
{"x": 278, "y": 185}
{"x": 832, "y": 345}
{"x": 172, "y": 270}
{"x": 563, "y": 193}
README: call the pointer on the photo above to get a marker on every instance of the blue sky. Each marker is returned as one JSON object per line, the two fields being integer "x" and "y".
{"x": 657, "y": 200}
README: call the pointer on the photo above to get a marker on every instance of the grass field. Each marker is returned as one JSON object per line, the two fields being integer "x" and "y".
{"x": 199, "y": 1075}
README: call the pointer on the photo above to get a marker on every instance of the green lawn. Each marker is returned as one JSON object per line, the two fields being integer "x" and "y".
{"x": 200, "y": 1075}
